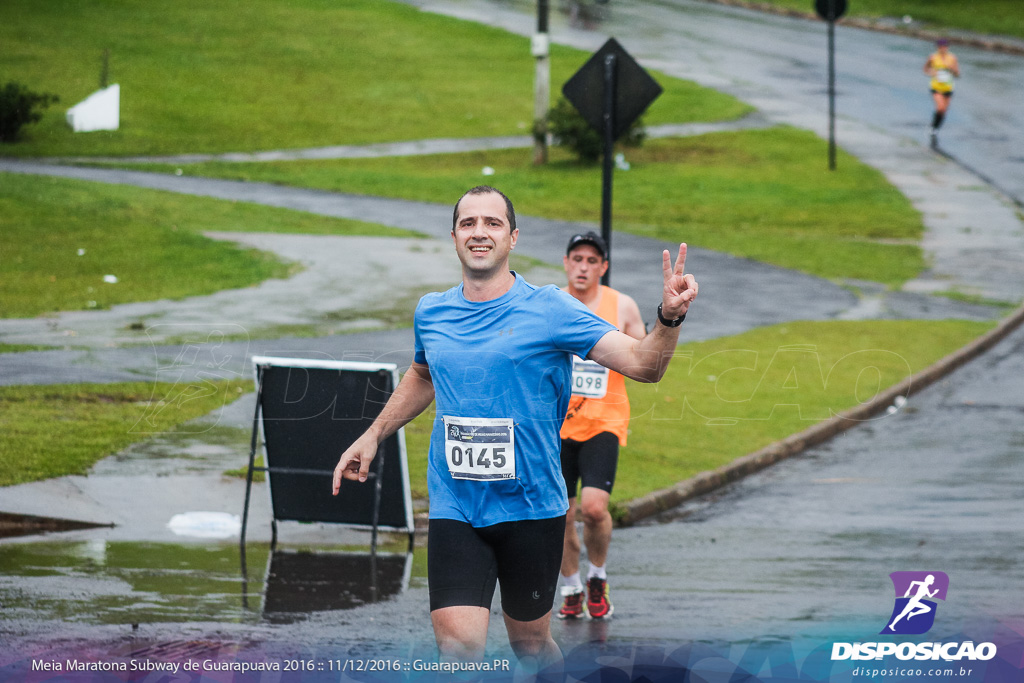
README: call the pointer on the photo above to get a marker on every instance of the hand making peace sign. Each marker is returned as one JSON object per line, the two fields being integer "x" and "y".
{"x": 680, "y": 290}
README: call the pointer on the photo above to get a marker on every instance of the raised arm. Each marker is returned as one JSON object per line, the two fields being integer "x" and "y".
{"x": 411, "y": 397}
{"x": 645, "y": 360}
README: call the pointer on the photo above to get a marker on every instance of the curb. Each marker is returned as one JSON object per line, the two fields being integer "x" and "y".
{"x": 955, "y": 37}
{"x": 705, "y": 482}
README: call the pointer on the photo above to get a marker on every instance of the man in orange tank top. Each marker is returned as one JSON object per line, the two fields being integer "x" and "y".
{"x": 596, "y": 424}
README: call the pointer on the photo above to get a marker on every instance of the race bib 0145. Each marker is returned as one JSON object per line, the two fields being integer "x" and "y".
{"x": 480, "y": 448}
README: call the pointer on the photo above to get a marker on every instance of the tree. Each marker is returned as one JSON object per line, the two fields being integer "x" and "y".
{"x": 571, "y": 130}
{"x": 20, "y": 106}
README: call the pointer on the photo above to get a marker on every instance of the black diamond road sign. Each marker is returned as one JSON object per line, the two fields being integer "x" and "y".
{"x": 634, "y": 89}
{"x": 830, "y": 10}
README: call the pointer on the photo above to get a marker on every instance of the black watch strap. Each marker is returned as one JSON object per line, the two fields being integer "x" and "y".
{"x": 670, "y": 323}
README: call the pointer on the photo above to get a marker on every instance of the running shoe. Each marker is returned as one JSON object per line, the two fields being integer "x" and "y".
{"x": 599, "y": 605}
{"x": 572, "y": 603}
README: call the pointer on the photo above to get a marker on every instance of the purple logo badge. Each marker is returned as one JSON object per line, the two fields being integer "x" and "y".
{"x": 916, "y": 592}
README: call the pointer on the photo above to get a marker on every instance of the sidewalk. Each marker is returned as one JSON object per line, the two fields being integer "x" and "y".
{"x": 409, "y": 148}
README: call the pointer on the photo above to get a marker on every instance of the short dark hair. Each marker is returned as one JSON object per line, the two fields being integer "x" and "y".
{"x": 510, "y": 212}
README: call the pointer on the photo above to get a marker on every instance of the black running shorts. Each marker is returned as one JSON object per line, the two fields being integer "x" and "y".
{"x": 590, "y": 463}
{"x": 464, "y": 562}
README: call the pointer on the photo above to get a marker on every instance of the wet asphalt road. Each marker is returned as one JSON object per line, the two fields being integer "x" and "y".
{"x": 806, "y": 546}
{"x": 879, "y": 78}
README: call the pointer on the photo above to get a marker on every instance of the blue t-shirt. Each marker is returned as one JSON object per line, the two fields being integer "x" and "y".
{"x": 502, "y": 377}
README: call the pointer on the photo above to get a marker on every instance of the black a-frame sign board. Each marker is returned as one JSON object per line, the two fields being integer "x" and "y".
{"x": 307, "y": 413}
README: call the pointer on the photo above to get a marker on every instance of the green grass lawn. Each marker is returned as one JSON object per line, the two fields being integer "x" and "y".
{"x": 725, "y": 398}
{"x": 761, "y": 194}
{"x": 261, "y": 74}
{"x": 56, "y": 430}
{"x": 59, "y": 238}
{"x": 999, "y": 17}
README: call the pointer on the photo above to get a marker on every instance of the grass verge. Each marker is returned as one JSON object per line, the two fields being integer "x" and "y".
{"x": 60, "y": 238}
{"x": 996, "y": 17}
{"x": 18, "y": 348}
{"x": 57, "y": 430}
{"x": 210, "y": 77}
{"x": 725, "y": 398}
{"x": 760, "y": 194}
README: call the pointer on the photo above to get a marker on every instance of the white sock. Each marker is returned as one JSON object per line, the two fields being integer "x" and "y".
{"x": 599, "y": 572}
{"x": 573, "y": 581}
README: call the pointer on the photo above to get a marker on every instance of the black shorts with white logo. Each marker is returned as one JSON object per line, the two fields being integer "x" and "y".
{"x": 464, "y": 563}
{"x": 591, "y": 463}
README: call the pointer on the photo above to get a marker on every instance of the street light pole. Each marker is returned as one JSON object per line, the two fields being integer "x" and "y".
{"x": 539, "y": 46}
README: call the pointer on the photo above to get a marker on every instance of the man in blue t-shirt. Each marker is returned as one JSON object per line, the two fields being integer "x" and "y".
{"x": 495, "y": 354}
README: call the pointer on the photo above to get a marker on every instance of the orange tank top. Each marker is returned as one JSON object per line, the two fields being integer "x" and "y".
{"x": 599, "y": 402}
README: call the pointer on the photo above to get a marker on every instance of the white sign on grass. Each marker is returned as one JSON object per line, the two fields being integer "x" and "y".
{"x": 99, "y": 111}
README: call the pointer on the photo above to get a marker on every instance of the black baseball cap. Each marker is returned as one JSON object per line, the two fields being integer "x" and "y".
{"x": 591, "y": 238}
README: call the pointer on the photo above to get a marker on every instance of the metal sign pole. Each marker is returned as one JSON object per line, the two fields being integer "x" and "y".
{"x": 831, "y": 11}
{"x": 610, "y": 91}
{"x": 609, "y": 149}
{"x": 831, "y": 88}
{"x": 252, "y": 457}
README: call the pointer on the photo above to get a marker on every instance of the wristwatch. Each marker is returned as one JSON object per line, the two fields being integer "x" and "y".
{"x": 670, "y": 323}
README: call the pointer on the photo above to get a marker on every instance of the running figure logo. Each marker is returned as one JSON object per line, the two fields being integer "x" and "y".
{"x": 914, "y": 612}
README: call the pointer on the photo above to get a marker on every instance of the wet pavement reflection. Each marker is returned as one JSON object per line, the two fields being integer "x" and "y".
{"x": 103, "y": 582}
{"x": 300, "y": 583}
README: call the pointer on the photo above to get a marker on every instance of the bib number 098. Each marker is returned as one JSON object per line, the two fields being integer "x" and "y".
{"x": 589, "y": 379}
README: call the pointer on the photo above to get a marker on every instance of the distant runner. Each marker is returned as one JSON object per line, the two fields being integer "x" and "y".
{"x": 595, "y": 426}
{"x": 943, "y": 67}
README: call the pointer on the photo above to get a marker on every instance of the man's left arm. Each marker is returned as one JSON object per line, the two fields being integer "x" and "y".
{"x": 647, "y": 359}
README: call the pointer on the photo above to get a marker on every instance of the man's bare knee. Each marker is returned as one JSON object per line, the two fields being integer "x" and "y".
{"x": 532, "y": 643}
{"x": 460, "y": 632}
{"x": 594, "y": 511}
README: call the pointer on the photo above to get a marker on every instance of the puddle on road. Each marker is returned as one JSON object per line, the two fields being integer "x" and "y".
{"x": 101, "y": 582}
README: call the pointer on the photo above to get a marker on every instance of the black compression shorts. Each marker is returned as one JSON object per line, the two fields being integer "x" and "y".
{"x": 590, "y": 463}
{"x": 948, "y": 94}
{"x": 463, "y": 564}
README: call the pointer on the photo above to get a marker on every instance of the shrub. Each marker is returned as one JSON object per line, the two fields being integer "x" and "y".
{"x": 571, "y": 130}
{"x": 20, "y": 106}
